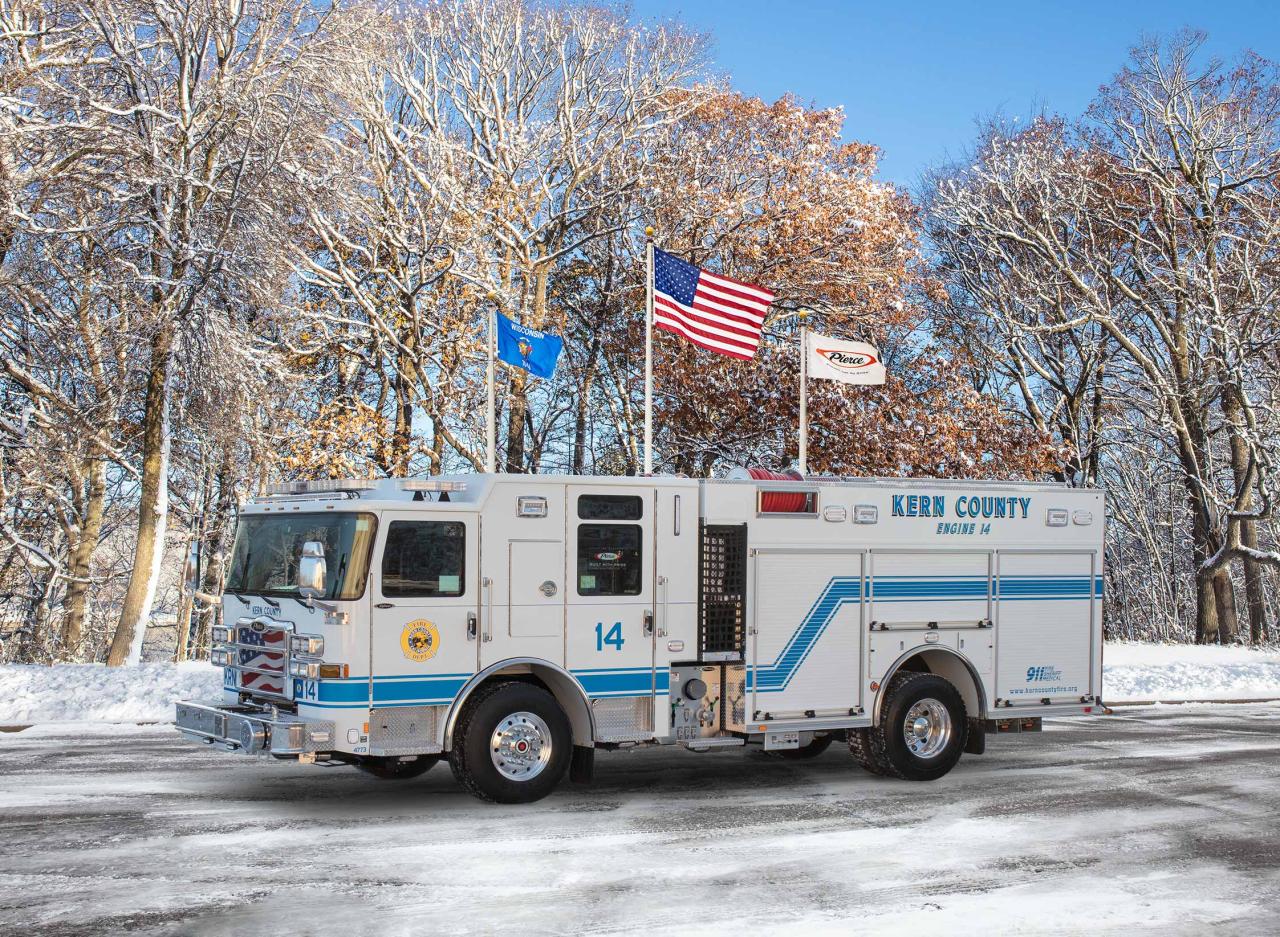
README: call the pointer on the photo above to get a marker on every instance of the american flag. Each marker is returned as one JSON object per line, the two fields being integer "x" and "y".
{"x": 712, "y": 311}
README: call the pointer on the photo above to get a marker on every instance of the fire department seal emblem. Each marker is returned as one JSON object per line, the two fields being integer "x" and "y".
{"x": 420, "y": 640}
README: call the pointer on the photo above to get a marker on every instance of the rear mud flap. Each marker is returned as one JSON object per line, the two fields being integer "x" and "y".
{"x": 582, "y": 765}
{"x": 975, "y": 740}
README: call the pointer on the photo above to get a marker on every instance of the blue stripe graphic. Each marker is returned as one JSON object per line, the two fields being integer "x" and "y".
{"x": 774, "y": 677}
{"x": 415, "y": 690}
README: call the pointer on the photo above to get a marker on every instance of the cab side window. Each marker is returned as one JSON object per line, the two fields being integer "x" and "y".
{"x": 424, "y": 559}
{"x": 609, "y": 554}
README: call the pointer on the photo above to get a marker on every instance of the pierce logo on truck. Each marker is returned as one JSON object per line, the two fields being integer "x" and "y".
{"x": 420, "y": 640}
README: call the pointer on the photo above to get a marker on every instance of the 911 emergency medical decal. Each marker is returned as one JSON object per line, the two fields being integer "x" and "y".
{"x": 420, "y": 640}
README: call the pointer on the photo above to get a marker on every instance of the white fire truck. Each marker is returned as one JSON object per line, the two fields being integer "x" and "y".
{"x": 515, "y": 624}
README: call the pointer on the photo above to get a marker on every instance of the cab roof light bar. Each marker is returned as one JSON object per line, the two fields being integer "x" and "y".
{"x": 429, "y": 484}
{"x": 321, "y": 485}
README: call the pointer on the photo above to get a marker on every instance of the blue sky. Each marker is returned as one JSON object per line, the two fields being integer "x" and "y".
{"x": 914, "y": 77}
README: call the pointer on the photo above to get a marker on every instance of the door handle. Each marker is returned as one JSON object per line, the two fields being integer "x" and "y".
{"x": 662, "y": 586}
{"x": 385, "y": 605}
{"x": 648, "y": 622}
{"x": 471, "y": 626}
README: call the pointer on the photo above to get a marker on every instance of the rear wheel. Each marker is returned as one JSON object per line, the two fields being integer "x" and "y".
{"x": 512, "y": 743}
{"x": 921, "y": 732}
{"x": 397, "y": 769}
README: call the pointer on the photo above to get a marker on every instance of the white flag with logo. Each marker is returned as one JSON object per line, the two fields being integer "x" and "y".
{"x": 834, "y": 359}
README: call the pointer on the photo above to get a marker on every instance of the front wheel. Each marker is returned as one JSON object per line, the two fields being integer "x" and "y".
{"x": 512, "y": 743}
{"x": 921, "y": 732}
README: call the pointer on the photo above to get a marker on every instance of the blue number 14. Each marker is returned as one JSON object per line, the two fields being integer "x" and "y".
{"x": 613, "y": 638}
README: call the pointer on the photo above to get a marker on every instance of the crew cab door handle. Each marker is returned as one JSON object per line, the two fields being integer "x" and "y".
{"x": 471, "y": 626}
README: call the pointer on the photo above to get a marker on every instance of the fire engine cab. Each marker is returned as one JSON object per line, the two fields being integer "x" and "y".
{"x": 516, "y": 624}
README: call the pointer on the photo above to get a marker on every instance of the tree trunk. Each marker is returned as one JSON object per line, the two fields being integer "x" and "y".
{"x": 517, "y": 404}
{"x": 402, "y": 439}
{"x": 79, "y": 564}
{"x": 153, "y": 507}
{"x": 217, "y": 537}
{"x": 1224, "y": 592}
{"x": 1254, "y": 587}
{"x": 1201, "y": 550}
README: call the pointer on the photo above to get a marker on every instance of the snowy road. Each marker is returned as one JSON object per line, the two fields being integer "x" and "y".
{"x": 1155, "y": 820}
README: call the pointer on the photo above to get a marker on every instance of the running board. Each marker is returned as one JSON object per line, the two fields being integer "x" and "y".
{"x": 702, "y": 745}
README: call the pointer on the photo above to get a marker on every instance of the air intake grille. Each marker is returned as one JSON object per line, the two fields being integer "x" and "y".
{"x": 722, "y": 594}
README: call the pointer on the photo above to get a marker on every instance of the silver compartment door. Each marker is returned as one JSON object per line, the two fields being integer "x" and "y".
{"x": 807, "y": 633}
{"x": 1044, "y": 626}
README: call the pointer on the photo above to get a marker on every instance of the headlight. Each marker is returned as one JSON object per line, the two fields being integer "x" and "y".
{"x": 220, "y": 657}
{"x": 309, "y": 670}
{"x": 220, "y": 635}
{"x": 306, "y": 645}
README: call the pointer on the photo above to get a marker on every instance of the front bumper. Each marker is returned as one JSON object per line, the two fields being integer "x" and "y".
{"x": 251, "y": 731}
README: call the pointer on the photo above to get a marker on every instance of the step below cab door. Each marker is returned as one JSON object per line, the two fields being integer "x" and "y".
{"x": 425, "y": 597}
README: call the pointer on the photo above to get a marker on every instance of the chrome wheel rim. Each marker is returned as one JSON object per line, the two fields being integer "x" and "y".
{"x": 927, "y": 728}
{"x": 521, "y": 746}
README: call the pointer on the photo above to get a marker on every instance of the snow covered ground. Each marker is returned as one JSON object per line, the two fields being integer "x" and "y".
{"x": 1147, "y": 672}
{"x": 72, "y": 692}
{"x": 1187, "y": 671}
{"x": 1162, "y": 820}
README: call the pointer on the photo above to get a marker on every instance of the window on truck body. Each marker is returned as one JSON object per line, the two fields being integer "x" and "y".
{"x": 424, "y": 559}
{"x": 610, "y": 554}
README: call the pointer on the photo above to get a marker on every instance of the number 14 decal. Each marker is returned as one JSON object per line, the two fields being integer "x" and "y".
{"x": 614, "y": 638}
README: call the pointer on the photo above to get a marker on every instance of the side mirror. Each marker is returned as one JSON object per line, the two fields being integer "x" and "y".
{"x": 312, "y": 570}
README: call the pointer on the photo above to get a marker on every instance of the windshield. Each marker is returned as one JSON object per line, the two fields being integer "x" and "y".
{"x": 265, "y": 558}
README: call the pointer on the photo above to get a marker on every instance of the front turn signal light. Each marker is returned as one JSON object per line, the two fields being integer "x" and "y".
{"x": 334, "y": 671}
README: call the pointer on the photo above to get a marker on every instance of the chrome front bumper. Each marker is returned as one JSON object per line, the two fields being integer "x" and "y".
{"x": 252, "y": 731}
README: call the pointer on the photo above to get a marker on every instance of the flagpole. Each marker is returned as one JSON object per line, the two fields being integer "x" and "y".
{"x": 648, "y": 352}
{"x": 491, "y": 416}
{"x": 804, "y": 391}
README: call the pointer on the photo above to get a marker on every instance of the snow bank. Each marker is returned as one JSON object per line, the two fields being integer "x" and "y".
{"x": 145, "y": 693}
{"x": 1188, "y": 671}
{"x": 31, "y": 693}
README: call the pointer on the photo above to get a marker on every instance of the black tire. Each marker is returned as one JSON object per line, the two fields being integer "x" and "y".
{"x": 393, "y": 769}
{"x": 473, "y": 759}
{"x": 883, "y": 749}
{"x": 815, "y": 748}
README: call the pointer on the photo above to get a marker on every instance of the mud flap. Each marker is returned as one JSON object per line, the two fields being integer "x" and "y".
{"x": 975, "y": 740}
{"x": 582, "y": 765}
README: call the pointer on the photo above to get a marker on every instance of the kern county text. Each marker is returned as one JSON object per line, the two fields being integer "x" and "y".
{"x": 965, "y": 506}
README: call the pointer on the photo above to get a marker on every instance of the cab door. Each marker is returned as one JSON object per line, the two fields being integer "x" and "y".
{"x": 425, "y": 597}
{"x": 609, "y": 596}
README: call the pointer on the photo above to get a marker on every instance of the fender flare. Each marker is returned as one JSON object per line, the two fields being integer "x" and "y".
{"x": 583, "y": 718}
{"x": 877, "y": 704}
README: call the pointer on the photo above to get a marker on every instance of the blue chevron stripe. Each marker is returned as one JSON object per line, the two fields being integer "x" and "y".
{"x": 774, "y": 677}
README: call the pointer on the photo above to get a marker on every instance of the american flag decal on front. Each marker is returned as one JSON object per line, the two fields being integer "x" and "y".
{"x": 712, "y": 311}
{"x": 261, "y": 660}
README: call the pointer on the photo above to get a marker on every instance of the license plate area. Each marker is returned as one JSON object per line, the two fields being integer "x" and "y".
{"x": 779, "y": 741}
{"x": 203, "y": 721}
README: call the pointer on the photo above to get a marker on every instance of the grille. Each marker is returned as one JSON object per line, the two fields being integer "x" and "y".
{"x": 260, "y": 658}
{"x": 722, "y": 593}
